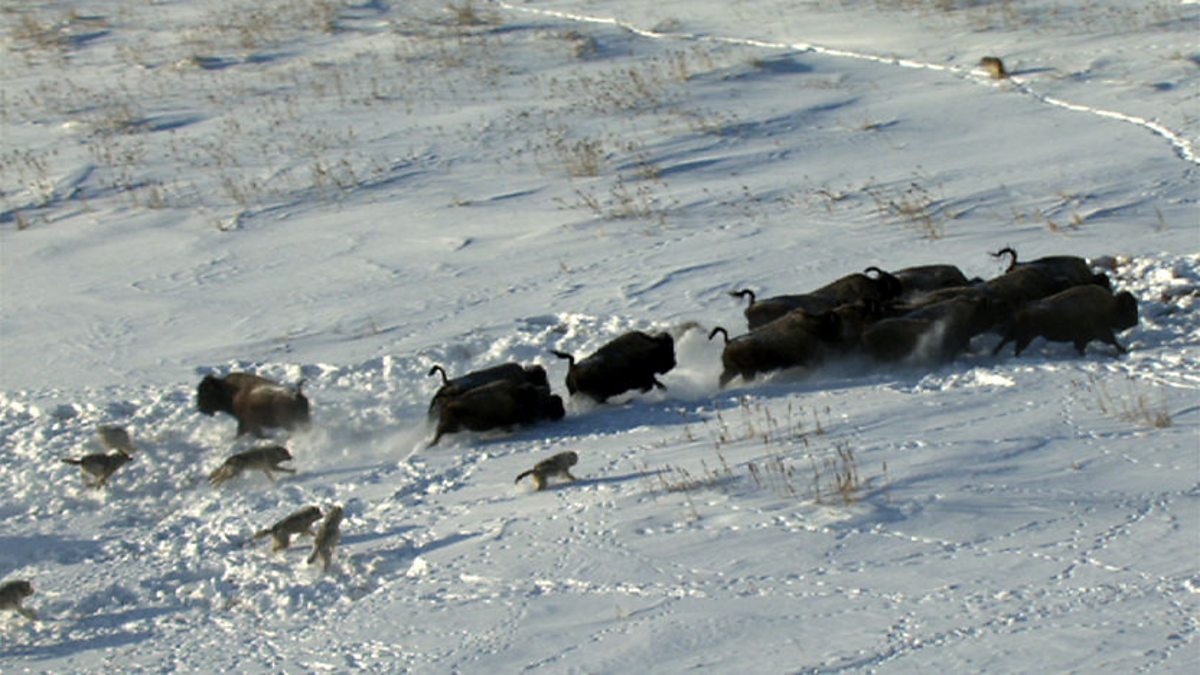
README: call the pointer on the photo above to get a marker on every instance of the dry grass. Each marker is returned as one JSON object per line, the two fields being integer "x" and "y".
{"x": 467, "y": 14}
{"x": 797, "y": 466}
{"x": 1128, "y": 402}
{"x": 916, "y": 207}
{"x": 1091, "y": 16}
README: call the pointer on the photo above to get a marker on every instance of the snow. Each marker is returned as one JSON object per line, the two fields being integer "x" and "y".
{"x": 348, "y": 193}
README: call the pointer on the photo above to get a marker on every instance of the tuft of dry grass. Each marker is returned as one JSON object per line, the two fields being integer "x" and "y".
{"x": 1131, "y": 404}
{"x": 467, "y": 14}
{"x": 833, "y": 470}
{"x": 916, "y": 207}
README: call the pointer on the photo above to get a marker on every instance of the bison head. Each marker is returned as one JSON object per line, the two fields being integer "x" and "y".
{"x": 212, "y": 396}
{"x": 1127, "y": 311}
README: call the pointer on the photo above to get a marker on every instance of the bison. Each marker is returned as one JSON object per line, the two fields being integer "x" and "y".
{"x": 937, "y": 332}
{"x": 256, "y": 402}
{"x": 1078, "y": 315}
{"x": 1023, "y": 285}
{"x": 861, "y": 286}
{"x": 795, "y": 339}
{"x": 848, "y": 289}
{"x": 928, "y": 278}
{"x": 762, "y": 312}
{"x": 628, "y": 362}
{"x": 514, "y": 372}
{"x": 501, "y": 403}
{"x": 1068, "y": 270}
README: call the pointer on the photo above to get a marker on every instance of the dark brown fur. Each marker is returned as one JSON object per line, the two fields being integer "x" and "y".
{"x": 1077, "y": 315}
{"x": 1066, "y": 270}
{"x": 256, "y": 402}
{"x": 795, "y": 339}
{"x": 861, "y": 287}
{"x": 13, "y": 593}
{"x": 762, "y": 312}
{"x": 502, "y": 403}
{"x": 628, "y": 362}
{"x": 928, "y": 278}
{"x": 846, "y": 290}
{"x": 1023, "y": 285}
{"x": 514, "y": 372}
{"x": 938, "y": 332}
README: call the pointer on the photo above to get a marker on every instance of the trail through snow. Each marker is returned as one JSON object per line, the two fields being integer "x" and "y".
{"x": 1182, "y": 147}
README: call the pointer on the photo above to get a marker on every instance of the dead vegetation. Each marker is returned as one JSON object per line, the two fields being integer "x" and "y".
{"x": 802, "y": 463}
{"x": 1128, "y": 401}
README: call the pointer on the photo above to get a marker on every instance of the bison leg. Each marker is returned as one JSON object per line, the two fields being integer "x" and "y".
{"x": 1112, "y": 340}
{"x": 1081, "y": 345}
{"x": 1007, "y": 338}
{"x": 726, "y": 376}
{"x": 652, "y": 383}
{"x": 1022, "y": 343}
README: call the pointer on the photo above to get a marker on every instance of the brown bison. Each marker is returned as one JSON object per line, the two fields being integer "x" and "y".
{"x": 762, "y": 312}
{"x": 927, "y": 278}
{"x": 513, "y": 372}
{"x": 1078, "y": 315}
{"x": 937, "y": 332}
{"x": 256, "y": 402}
{"x": 1067, "y": 270}
{"x": 497, "y": 404}
{"x": 628, "y": 362}
{"x": 1023, "y": 285}
{"x": 848, "y": 289}
{"x": 795, "y": 339}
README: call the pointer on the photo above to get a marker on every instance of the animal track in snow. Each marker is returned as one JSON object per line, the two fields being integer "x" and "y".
{"x": 1182, "y": 147}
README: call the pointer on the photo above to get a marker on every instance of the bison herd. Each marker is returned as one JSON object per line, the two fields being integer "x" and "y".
{"x": 927, "y": 314}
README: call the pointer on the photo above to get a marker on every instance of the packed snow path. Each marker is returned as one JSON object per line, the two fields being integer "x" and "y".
{"x": 1181, "y": 145}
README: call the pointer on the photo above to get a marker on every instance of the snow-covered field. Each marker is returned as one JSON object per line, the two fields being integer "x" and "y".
{"x": 350, "y": 192}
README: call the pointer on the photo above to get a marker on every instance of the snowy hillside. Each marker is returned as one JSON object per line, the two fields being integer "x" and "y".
{"x": 348, "y": 193}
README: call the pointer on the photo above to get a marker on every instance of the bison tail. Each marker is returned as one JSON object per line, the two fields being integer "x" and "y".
{"x": 888, "y": 284}
{"x": 522, "y": 475}
{"x": 1012, "y": 256}
{"x": 720, "y": 330}
{"x": 743, "y": 293}
{"x": 439, "y": 369}
{"x": 563, "y": 355}
{"x": 69, "y": 460}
